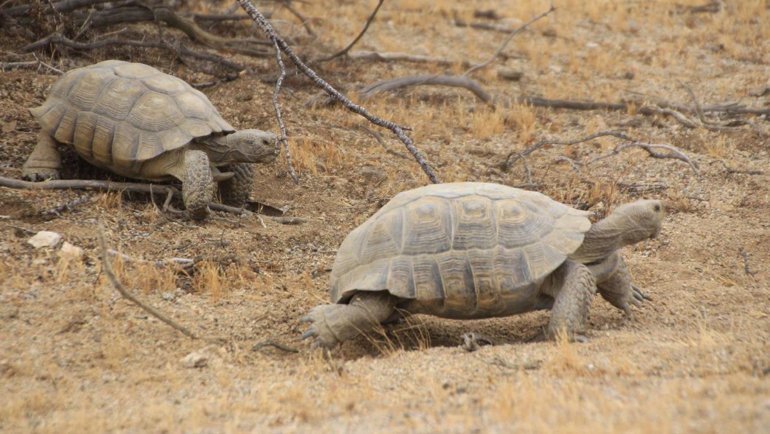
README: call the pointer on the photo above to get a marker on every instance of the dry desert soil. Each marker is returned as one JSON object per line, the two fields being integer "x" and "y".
{"x": 75, "y": 356}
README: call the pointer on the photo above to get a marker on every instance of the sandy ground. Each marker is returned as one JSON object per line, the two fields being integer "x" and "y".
{"x": 76, "y": 357}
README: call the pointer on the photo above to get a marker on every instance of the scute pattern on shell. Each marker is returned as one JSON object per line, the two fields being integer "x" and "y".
{"x": 118, "y": 114}
{"x": 464, "y": 249}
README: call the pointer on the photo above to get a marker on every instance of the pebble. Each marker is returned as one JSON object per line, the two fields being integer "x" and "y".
{"x": 196, "y": 359}
{"x": 70, "y": 251}
{"x": 44, "y": 239}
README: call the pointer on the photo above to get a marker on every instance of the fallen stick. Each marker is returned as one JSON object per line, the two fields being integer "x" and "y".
{"x": 401, "y": 57}
{"x": 107, "y": 267}
{"x": 136, "y": 187}
{"x": 426, "y": 80}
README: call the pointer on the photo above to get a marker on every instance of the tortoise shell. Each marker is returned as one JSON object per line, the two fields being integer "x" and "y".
{"x": 459, "y": 250}
{"x": 118, "y": 114}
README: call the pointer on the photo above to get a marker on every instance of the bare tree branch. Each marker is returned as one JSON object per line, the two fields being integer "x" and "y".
{"x": 396, "y": 129}
{"x": 357, "y": 38}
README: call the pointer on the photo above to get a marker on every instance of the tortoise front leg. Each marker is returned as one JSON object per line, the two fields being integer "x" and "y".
{"x": 618, "y": 289}
{"x": 331, "y": 324}
{"x": 573, "y": 300}
{"x": 197, "y": 184}
{"x": 44, "y": 162}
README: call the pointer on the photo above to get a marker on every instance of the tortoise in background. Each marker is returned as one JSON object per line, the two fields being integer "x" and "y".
{"x": 477, "y": 250}
{"x": 138, "y": 122}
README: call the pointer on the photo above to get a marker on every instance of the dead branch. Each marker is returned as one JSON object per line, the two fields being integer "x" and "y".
{"x": 68, "y": 206}
{"x": 651, "y": 148}
{"x": 483, "y": 26}
{"x": 425, "y": 80}
{"x": 726, "y": 108}
{"x": 275, "y": 344}
{"x": 513, "y": 157}
{"x": 732, "y": 170}
{"x": 107, "y": 267}
{"x": 61, "y": 7}
{"x": 179, "y": 49}
{"x": 135, "y": 187}
{"x": 181, "y": 262}
{"x": 402, "y": 57}
{"x": 745, "y": 255}
{"x": 396, "y": 129}
{"x": 345, "y": 50}
{"x": 507, "y": 40}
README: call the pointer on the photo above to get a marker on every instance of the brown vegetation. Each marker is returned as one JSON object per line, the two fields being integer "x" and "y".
{"x": 76, "y": 357}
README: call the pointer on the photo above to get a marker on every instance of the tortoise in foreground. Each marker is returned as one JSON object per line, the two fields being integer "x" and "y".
{"x": 140, "y": 123}
{"x": 477, "y": 250}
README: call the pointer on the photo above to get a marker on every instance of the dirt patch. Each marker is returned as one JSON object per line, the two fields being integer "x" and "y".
{"x": 74, "y": 356}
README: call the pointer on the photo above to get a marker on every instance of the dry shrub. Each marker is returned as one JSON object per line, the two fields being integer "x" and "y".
{"x": 524, "y": 121}
{"x": 208, "y": 280}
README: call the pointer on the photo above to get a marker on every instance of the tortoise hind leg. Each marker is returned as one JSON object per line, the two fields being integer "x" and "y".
{"x": 572, "y": 302}
{"x": 235, "y": 191}
{"x": 44, "y": 162}
{"x": 197, "y": 184}
{"x": 331, "y": 324}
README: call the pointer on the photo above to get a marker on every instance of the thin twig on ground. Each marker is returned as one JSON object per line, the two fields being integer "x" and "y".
{"x": 68, "y": 206}
{"x": 107, "y": 267}
{"x": 179, "y": 49}
{"x": 275, "y": 344}
{"x": 135, "y": 187}
{"x": 732, "y": 170}
{"x": 745, "y": 255}
{"x": 507, "y": 40}
{"x": 305, "y": 22}
{"x": 185, "y": 263}
{"x": 401, "y": 57}
{"x": 424, "y": 80}
{"x": 652, "y": 150}
{"x": 345, "y": 50}
{"x": 396, "y": 129}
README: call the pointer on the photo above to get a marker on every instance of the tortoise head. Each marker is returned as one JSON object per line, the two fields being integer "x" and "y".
{"x": 639, "y": 220}
{"x": 244, "y": 146}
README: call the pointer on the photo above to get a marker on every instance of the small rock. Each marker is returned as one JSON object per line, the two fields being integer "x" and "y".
{"x": 70, "y": 251}
{"x": 510, "y": 74}
{"x": 168, "y": 296}
{"x": 44, "y": 239}
{"x": 196, "y": 359}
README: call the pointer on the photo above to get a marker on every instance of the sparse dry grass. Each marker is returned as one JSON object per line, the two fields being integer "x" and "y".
{"x": 75, "y": 357}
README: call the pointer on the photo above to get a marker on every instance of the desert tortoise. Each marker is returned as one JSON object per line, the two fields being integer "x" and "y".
{"x": 477, "y": 250}
{"x": 140, "y": 123}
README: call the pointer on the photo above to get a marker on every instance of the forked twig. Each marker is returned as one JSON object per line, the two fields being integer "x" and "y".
{"x": 396, "y": 129}
{"x": 357, "y": 38}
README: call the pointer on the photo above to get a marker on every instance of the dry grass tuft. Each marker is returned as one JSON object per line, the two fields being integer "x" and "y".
{"x": 524, "y": 122}
{"x": 208, "y": 280}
